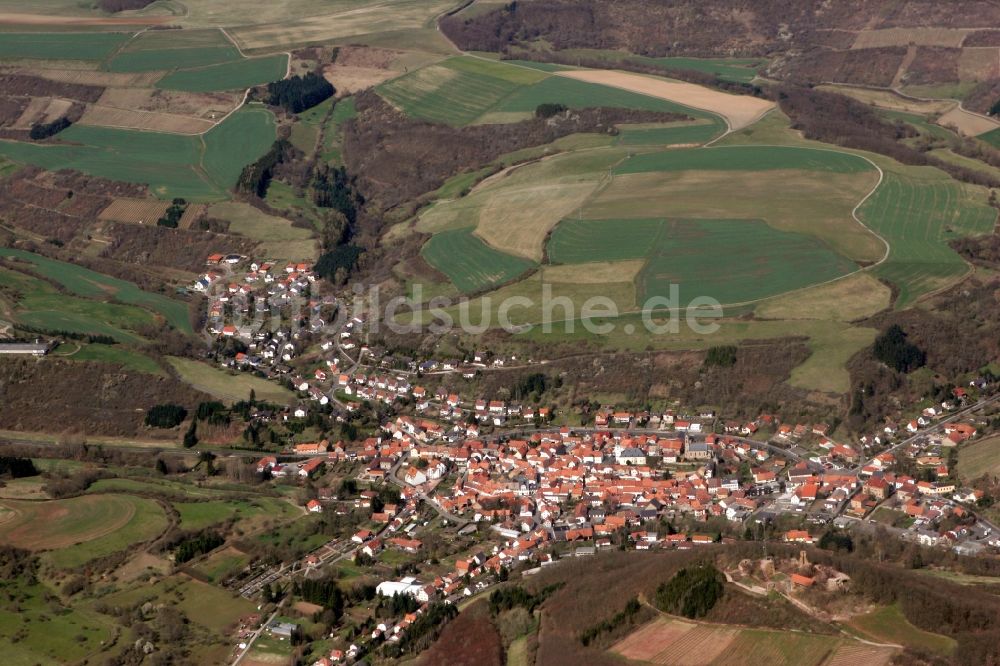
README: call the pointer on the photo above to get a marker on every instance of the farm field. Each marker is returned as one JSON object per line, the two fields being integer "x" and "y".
{"x": 738, "y": 110}
{"x": 471, "y": 264}
{"x": 677, "y": 642}
{"x": 992, "y": 137}
{"x": 148, "y": 60}
{"x": 227, "y": 75}
{"x": 888, "y": 624}
{"x": 90, "y": 284}
{"x": 458, "y": 90}
{"x": 463, "y": 90}
{"x": 918, "y": 211}
{"x": 280, "y": 240}
{"x": 817, "y": 204}
{"x": 80, "y": 529}
{"x": 196, "y": 168}
{"x": 750, "y": 158}
{"x": 61, "y": 46}
{"x": 855, "y": 297}
{"x": 683, "y": 252}
{"x": 978, "y": 458}
{"x": 222, "y": 385}
{"x": 514, "y": 211}
{"x": 380, "y": 23}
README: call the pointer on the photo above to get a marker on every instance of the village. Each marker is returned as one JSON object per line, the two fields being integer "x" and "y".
{"x": 531, "y": 491}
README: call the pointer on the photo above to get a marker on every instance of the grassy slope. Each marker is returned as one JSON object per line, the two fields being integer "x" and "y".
{"x": 889, "y": 624}
{"x": 978, "y": 458}
{"x": 223, "y": 385}
{"x": 90, "y": 284}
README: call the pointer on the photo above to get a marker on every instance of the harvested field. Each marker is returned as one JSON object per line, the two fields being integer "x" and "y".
{"x": 978, "y": 458}
{"x": 42, "y": 110}
{"x": 887, "y": 99}
{"x": 852, "y": 298}
{"x": 677, "y": 642}
{"x": 348, "y": 79}
{"x": 19, "y": 18}
{"x": 597, "y": 272}
{"x": 738, "y": 110}
{"x": 97, "y": 78}
{"x": 645, "y": 643}
{"x": 106, "y": 116}
{"x": 279, "y": 239}
{"x": 276, "y": 29}
{"x": 138, "y": 211}
{"x": 969, "y": 124}
{"x": 853, "y": 654}
{"x": 979, "y": 64}
{"x": 869, "y": 39}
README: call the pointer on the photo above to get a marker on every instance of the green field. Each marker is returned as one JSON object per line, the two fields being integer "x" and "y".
{"x": 226, "y": 386}
{"x": 755, "y": 158}
{"x": 458, "y": 90}
{"x": 38, "y": 304}
{"x": 580, "y": 94}
{"x": 978, "y": 458}
{"x": 992, "y": 137}
{"x": 228, "y": 75}
{"x": 148, "y": 60}
{"x": 93, "y": 285}
{"x": 740, "y": 70}
{"x": 917, "y": 212}
{"x": 197, "y": 168}
{"x": 80, "y": 529}
{"x": 471, "y": 264}
{"x": 889, "y": 624}
{"x": 759, "y": 261}
{"x": 63, "y": 46}
{"x": 114, "y": 354}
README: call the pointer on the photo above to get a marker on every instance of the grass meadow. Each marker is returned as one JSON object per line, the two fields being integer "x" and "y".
{"x": 231, "y": 387}
{"x": 888, "y": 624}
{"x": 978, "y": 458}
